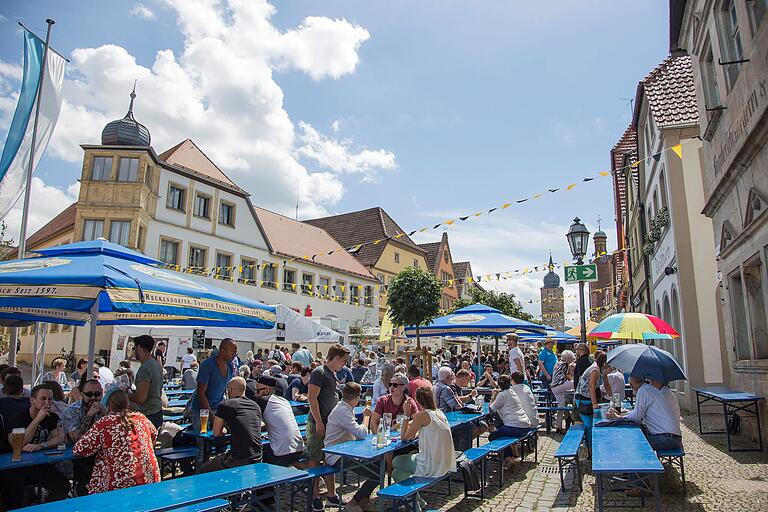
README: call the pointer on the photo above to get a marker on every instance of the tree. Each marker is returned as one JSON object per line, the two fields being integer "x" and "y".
{"x": 6, "y": 244}
{"x": 414, "y": 298}
{"x": 504, "y": 302}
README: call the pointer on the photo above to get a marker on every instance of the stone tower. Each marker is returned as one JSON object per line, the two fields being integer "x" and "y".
{"x": 600, "y": 292}
{"x": 552, "y": 299}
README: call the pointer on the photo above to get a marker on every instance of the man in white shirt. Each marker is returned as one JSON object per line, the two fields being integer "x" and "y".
{"x": 285, "y": 443}
{"x": 527, "y": 400}
{"x": 516, "y": 357}
{"x": 655, "y": 412}
{"x": 187, "y": 359}
{"x": 616, "y": 381}
{"x": 341, "y": 427}
{"x": 106, "y": 377}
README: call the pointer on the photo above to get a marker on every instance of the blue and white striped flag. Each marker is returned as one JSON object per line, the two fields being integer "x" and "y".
{"x": 16, "y": 152}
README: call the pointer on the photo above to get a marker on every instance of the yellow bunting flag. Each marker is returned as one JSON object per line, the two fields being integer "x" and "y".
{"x": 570, "y": 187}
{"x": 678, "y": 149}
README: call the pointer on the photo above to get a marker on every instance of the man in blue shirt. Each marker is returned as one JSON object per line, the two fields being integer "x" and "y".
{"x": 212, "y": 379}
{"x": 547, "y": 362}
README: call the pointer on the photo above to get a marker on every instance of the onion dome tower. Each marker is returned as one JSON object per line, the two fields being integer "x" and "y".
{"x": 126, "y": 131}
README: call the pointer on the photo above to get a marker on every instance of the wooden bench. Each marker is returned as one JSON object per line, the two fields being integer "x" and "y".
{"x": 567, "y": 453}
{"x": 671, "y": 458}
{"x": 406, "y": 491}
{"x": 308, "y": 482}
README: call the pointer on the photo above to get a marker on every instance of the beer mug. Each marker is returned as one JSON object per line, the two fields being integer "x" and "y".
{"x": 368, "y": 400}
{"x": 17, "y": 443}
{"x": 204, "y": 413}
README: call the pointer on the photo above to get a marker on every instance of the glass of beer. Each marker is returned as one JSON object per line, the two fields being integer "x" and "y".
{"x": 368, "y": 401}
{"x": 204, "y": 413}
{"x": 17, "y": 442}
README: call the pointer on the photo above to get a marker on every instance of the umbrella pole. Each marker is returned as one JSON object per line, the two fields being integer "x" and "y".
{"x": 92, "y": 335}
{"x": 34, "y": 353}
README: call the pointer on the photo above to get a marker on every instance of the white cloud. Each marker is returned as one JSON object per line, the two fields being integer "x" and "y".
{"x": 336, "y": 125}
{"x": 501, "y": 242}
{"x": 220, "y": 91}
{"x": 142, "y": 11}
{"x": 338, "y": 155}
{"x": 47, "y": 202}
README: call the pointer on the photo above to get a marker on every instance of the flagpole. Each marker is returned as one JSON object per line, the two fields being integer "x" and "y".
{"x": 28, "y": 181}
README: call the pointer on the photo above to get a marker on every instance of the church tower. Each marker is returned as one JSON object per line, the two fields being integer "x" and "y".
{"x": 600, "y": 292}
{"x": 552, "y": 299}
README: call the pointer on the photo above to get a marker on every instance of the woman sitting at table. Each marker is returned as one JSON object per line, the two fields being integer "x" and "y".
{"x": 381, "y": 386}
{"x": 436, "y": 456}
{"x": 487, "y": 380}
{"x": 515, "y": 421}
{"x": 123, "y": 443}
{"x": 57, "y": 373}
{"x": 394, "y": 403}
{"x": 561, "y": 383}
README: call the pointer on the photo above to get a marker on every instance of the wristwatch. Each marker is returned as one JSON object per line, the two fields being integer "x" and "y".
{"x": 44, "y": 445}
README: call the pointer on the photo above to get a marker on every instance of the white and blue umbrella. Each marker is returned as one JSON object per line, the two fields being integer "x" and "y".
{"x": 475, "y": 320}
{"x": 646, "y": 362}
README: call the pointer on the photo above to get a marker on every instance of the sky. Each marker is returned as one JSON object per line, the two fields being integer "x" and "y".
{"x": 431, "y": 109}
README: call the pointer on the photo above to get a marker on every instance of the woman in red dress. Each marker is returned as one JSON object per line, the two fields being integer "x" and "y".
{"x": 123, "y": 442}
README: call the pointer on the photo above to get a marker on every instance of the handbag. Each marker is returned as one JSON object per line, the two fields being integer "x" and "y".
{"x": 585, "y": 408}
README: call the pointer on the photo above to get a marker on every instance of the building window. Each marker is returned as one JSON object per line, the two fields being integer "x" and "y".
{"x": 663, "y": 186}
{"x": 757, "y": 10}
{"x": 120, "y": 232}
{"x": 416, "y": 262}
{"x": 341, "y": 291}
{"x": 227, "y": 214}
{"x": 223, "y": 265}
{"x": 753, "y": 285}
{"x": 739, "y": 316}
{"x": 53, "y": 328}
{"x": 169, "y": 251}
{"x": 202, "y": 206}
{"x": 66, "y": 328}
{"x": 731, "y": 40}
{"x": 289, "y": 280}
{"x": 197, "y": 258}
{"x": 176, "y": 198}
{"x": 709, "y": 77}
{"x": 268, "y": 276}
{"x": 93, "y": 229}
{"x": 369, "y": 295}
{"x": 397, "y": 257}
{"x": 323, "y": 286}
{"x": 101, "y": 168}
{"x": 445, "y": 256}
{"x": 354, "y": 293}
{"x": 128, "y": 169}
{"x": 148, "y": 176}
{"x": 249, "y": 271}
{"x": 307, "y": 284}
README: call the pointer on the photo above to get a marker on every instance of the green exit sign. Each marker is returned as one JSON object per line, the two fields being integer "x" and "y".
{"x": 576, "y": 273}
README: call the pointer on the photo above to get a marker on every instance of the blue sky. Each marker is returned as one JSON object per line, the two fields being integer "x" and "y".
{"x": 460, "y": 105}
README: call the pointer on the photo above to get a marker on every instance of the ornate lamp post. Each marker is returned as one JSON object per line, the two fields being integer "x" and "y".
{"x": 578, "y": 238}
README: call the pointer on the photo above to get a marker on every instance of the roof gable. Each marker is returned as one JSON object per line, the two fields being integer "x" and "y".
{"x": 295, "y": 239}
{"x": 462, "y": 269}
{"x": 188, "y": 156}
{"x": 670, "y": 92}
{"x": 435, "y": 252}
{"x": 364, "y": 227}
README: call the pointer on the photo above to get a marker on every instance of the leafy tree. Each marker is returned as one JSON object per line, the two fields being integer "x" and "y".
{"x": 6, "y": 244}
{"x": 414, "y": 298}
{"x": 504, "y": 302}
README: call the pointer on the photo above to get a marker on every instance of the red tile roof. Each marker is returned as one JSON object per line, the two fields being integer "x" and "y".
{"x": 461, "y": 269}
{"x": 295, "y": 239}
{"x": 627, "y": 145}
{"x": 353, "y": 228}
{"x": 57, "y": 225}
{"x": 671, "y": 93}
{"x": 189, "y": 157}
{"x": 433, "y": 250}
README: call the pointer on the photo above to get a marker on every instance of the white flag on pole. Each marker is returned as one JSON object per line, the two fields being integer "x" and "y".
{"x": 14, "y": 161}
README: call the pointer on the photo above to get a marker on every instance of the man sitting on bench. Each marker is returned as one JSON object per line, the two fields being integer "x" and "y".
{"x": 655, "y": 412}
{"x": 285, "y": 446}
{"x": 242, "y": 417}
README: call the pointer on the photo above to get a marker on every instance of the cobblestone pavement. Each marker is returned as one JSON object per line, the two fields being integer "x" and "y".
{"x": 716, "y": 481}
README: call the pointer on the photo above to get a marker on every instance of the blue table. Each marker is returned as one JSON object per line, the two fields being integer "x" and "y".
{"x": 181, "y": 402}
{"x": 181, "y": 492}
{"x": 624, "y": 451}
{"x": 179, "y": 393}
{"x": 36, "y": 458}
{"x": 295, "y": 403}
{"x": 733, "y": 401}
{"x": 362, "y": 453}
{"x": 457, "y": 419}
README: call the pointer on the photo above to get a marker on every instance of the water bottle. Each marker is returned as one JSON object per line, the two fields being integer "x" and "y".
{"x": 380, "y": 435}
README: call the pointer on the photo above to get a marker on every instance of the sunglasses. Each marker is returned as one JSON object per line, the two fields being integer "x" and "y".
{"x": 92, "y": 394}
{"x": 394, "y": 385}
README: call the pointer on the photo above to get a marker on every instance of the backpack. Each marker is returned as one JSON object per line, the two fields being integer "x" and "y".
{"x": 277, "y": 356}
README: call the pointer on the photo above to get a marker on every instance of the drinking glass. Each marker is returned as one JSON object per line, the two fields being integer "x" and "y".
{"x": 204, "y": 413}
{"x": 17, "y": 442}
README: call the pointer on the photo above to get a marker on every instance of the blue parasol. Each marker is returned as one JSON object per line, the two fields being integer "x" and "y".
{"x": 646, "y": 362}
{"x": 475, "y": 320}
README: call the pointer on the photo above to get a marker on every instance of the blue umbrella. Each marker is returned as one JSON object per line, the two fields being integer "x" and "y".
{"x": 105, "y": 282}
{"x": 474, "y": 320}
{"x": 551, "y": 333}
{"x": 646, "y": 362}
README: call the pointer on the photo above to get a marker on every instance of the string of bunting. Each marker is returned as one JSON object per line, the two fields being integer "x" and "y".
{"x": 570, "y": 295}
{"x": 573, "y": 311}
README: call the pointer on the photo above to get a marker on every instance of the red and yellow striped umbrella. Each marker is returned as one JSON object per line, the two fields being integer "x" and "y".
{"x": 633, "y": 326}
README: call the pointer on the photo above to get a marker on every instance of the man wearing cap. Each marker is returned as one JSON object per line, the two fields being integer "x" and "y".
{"x": 106, "y": 377}
{"x": 242, "y": 417}
{"x": 286, "y": 446}
{"x": 148, "y": 397}
{"x": 281, "y": 383}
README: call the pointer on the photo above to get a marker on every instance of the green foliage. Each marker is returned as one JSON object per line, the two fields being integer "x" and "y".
{"x": 504, "y": 302}
{"x": 413, "y": 297}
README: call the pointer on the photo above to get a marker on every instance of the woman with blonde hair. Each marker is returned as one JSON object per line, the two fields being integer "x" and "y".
{"x": 123, "y": 442}
{"x": 560, "y": 384}
{"x": 381, "y": 385}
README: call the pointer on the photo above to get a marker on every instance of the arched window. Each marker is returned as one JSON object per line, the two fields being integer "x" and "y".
{"x": 663, "y": 185}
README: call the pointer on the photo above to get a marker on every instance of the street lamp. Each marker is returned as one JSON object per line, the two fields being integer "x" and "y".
{"x": 578, "y": 238}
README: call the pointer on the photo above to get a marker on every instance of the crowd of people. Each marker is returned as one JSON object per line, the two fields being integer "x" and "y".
{"x": 112, "y": 420}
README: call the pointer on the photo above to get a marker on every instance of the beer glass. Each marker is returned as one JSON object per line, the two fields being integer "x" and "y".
{"x": 368, "y": 401}
{"x": 17, "y": 442}
{"x": 204, "y": 413}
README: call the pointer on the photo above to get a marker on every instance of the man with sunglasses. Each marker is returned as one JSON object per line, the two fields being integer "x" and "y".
{"x": 76, "y": 420}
